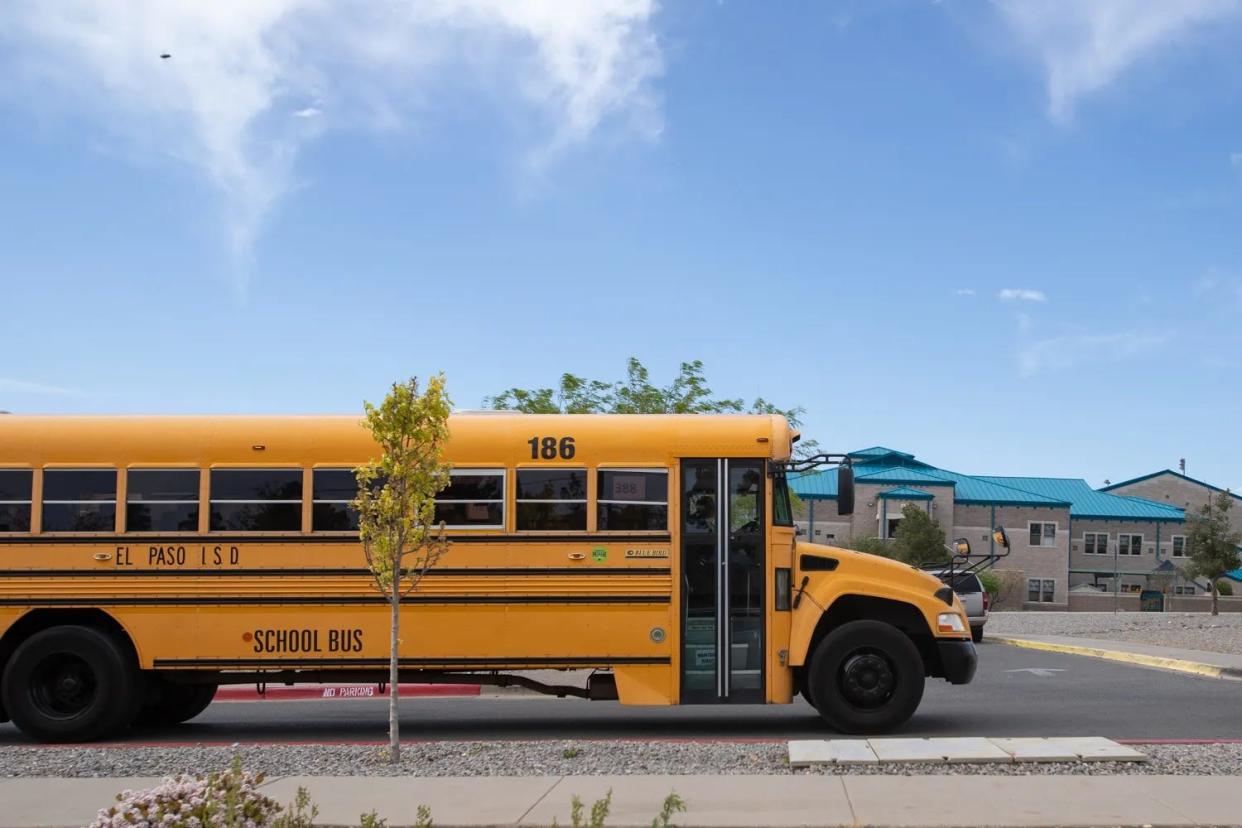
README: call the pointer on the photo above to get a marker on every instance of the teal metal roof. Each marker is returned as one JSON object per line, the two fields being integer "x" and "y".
{"x": 906, "y": 493}
{"x": 899, "y": 475}
{"x": 1235, "y": 575}
{"x": 884, "y": 466}
{"x": 1086, "y": 502}
{"x": 1178, "y": 475}
{"x": 820, "y": 485}
{"x": 879, "y": 451}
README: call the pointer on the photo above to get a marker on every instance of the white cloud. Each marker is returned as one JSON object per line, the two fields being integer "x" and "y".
{"x": 16, "y": 386}
{"x": 965, "y": 292}
{"x": 1061, "y": 352}
{"x": 238, "y": 69}
{"x": 1085, "y": 45}
{"x": 1021, "y": 295}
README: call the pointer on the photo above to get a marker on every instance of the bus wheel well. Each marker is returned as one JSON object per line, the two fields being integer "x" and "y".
{"x": 903, "y": 616}
{"x": 41, "y": 619}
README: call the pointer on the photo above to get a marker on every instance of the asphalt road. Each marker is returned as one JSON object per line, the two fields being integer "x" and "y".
{"x": 1016, "y": 692}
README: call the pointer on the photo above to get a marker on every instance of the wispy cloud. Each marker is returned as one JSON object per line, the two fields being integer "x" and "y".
{"x": 249, "y": 82}
{"x": 1217, "y": 285}
{"x": 1086, "y": 46}
{"x": 1072, "y": 350}
{"x": 1021, "y": 295}
{"x": 1235, "y": 160}
{"x": 16, "y": 386}
{"x": 965, "y": 292}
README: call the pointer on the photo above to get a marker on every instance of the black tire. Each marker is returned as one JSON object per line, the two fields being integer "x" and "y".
{"x": 805, "y": 690}
{"x": 976, "y": 634}
{"x": 71, "y": 684}
{"x": 168, "y": 703}
{"x": 866, "y": 677}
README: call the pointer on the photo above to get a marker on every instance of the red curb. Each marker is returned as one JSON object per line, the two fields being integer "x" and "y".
{"x": 243, "y": 693}
{"x": 1222, "y": 741}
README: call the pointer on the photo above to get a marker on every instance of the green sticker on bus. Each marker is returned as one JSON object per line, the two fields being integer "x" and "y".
{"x": 599, "y": 554}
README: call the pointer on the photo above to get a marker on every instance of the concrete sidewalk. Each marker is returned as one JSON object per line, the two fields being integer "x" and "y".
{"x": 711, "y": 800}
{"x": 1197, "y": 662}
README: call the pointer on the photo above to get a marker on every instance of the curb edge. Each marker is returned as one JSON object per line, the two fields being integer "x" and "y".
{"x": 1161, "y": 662}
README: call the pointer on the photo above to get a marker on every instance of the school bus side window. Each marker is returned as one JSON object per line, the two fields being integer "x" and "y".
{"x": 473, "y": 499}
{"x": 15, "y": 488}
{"x": 334, "y": 490}
{"x": 79, "y": 500}
{"x": 552, "y": 500}
{"x": 256, "y": 500}
{"x": 632, "y": 500}
{"x": 162, "y": 500}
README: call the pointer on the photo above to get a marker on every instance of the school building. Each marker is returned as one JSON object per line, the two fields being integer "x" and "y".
{"x": 1103, "y": 547}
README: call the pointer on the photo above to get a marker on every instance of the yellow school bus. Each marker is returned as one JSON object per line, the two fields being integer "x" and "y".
{"x": 144, "y": 561}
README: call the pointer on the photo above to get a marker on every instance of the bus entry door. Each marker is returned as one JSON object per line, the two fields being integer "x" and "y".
{"x": 722, "y": 568}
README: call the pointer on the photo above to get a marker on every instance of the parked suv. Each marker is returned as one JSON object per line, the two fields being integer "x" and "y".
{"x": 975, "y": 599}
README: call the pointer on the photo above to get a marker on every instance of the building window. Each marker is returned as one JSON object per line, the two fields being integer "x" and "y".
{"x": 332, "y": 491}
{"x": 632, "y": 499}
{"x": 1183, "y": 590}
{"x": 473, "y": 499}
{"x": 256, "y": 500}
{"x": 161, "y": 500}
{"x": 552, "y": 500}
{"x": 1095, "y": 543}
{"x": 1043, "y": 534}
{"x": 79, "y": 500}
{"x": 1129, "y": 544}
{"x": 1179, "y": 547}
{"x": 1040, "y": 590}
{"x": 15, "y": 488}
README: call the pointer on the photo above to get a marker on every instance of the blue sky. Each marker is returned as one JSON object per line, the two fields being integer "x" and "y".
{"x": 1004, "y": 236}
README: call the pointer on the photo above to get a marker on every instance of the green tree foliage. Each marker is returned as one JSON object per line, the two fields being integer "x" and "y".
{"x": 919, "y": 540}
{"x": 1211, "y": 543}
{"x": 1225, "y": 587}
{"x": 688, "y": 393}
{"x": 871, "y": 545}
{"x": 396, "y": 505}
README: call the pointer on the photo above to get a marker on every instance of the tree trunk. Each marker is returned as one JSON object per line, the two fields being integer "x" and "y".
{"x": 394, "y": 723}
{"x": 1215, "y": 602}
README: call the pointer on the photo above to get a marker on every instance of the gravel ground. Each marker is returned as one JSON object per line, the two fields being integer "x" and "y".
{"x": 1189, "y": 630}
{"x": 574, "y": 758}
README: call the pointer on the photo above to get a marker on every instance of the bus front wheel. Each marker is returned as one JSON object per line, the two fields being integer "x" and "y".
{"x": 866, "y": 677}
{"x": 169, "y": 703}
{"x": 70, "y": 684}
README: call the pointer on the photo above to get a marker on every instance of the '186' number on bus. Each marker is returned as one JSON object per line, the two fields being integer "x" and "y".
{"x": 549, "y": 448}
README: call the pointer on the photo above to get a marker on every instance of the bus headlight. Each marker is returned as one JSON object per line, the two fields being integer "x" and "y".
{"x": 950, "y": 622}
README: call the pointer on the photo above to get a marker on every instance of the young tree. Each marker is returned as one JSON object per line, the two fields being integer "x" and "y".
{"x": 1211, "y": 544}
{"x": 919, "y": 539}
{"x": 396, "y": 506}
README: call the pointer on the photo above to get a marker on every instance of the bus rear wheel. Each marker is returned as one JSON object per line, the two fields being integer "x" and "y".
{"x": 866, "y": 677}
{"x": 169, "y": 703}
{"x": 70, "y": 684}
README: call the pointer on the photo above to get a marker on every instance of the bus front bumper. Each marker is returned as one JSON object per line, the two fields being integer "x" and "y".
{"x": 958, "y": 660}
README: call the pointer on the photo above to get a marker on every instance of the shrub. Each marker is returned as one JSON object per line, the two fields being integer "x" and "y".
{"x": 227, "y": 799}
{"x": 871, "y": 545}
{"x": 1224, "y": 587}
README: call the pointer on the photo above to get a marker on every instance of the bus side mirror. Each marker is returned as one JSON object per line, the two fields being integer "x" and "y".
{"x": 1000, "y": 538}
{"x": 845, "y": 490}
{"x": 963, "y": 547}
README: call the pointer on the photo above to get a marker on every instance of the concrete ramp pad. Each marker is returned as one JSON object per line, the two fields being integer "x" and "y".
{"x": 807, "y": 752}
{"x": 1036, "y": 749}
{"x": 959, "y": 751}
{"x": 938, "y": 750}
{"x": 1099, "y": 749}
